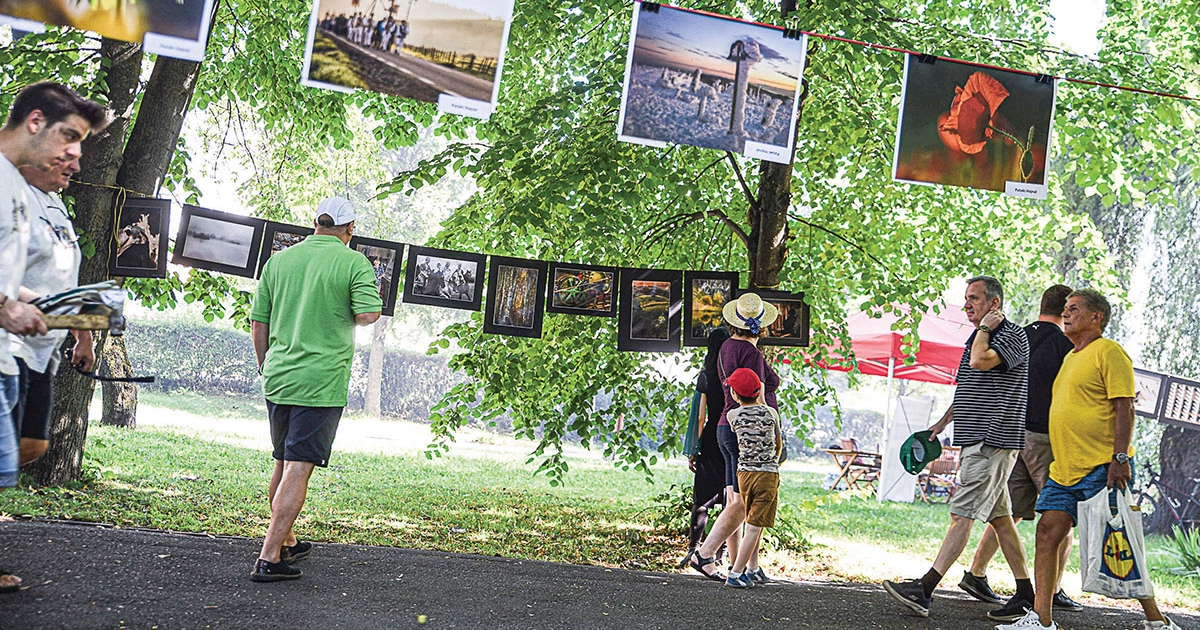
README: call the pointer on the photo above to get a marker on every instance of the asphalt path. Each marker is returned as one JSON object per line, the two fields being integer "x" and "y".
{"x": 95, "y": 577}
{"x": 433, "y": 76}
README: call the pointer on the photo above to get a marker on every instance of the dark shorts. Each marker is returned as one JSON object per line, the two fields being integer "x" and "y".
{"x": 1056, "y": 496}
{"x": 303, "y": 434}
{"x": 729, "y": 449}
{"x": 35, "y": 400}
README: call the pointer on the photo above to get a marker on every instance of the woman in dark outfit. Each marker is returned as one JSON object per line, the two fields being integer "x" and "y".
{"x": 708, "y": 489}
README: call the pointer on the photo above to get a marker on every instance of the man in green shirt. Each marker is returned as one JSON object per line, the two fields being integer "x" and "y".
{"x": 307, "y": 304}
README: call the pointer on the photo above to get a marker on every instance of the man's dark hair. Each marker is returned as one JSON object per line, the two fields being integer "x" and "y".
{"x": 991, "y": 287}
{"x": 1094, "y": 301}
{"x": 56, "y": 102}
{"x": 1054, "y": 300}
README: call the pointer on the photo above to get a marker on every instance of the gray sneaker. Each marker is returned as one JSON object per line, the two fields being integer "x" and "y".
{"x": 978, "y": 588}
{"x": 911, "y": 593}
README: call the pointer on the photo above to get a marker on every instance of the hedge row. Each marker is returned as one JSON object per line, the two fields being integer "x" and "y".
{"x": 200, "y": 357}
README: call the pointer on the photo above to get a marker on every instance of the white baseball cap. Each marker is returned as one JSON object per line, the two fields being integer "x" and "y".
{"x": 340, "y": 209}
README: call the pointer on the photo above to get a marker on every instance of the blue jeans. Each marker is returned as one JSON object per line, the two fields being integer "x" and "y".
{"x": 10, "y": 453}
{"x": 727, "y": 441}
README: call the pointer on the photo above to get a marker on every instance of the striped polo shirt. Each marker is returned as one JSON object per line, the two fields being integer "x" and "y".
{"x": 989, "y": 405}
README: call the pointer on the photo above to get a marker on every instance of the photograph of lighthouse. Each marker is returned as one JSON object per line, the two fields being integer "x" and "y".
{"x": 710, "y": 81}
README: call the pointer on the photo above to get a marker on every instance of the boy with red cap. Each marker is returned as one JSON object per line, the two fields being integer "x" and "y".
{"x": 756, "y": 426}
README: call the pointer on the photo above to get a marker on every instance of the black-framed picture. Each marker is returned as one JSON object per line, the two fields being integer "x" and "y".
{"x": 1181, "y": 403}
{"x": 651, "y": 307}
{"x": 791, "y": 327}
{"x": 385, "y": 257}
{"x": 1148, "y": 387}
{"x": 138, "y": 248}
{"x": 443, "y": 277}
{"x": 704, "y": 298}
{"x": 218, "y": 241}
{"x": 516, "y": 297}
{"x": 278, "y": 237}
{"x": 582, "y": 290}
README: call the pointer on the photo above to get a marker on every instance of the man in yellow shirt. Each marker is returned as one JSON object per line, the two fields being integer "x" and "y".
{"x": 1091, "y": 426}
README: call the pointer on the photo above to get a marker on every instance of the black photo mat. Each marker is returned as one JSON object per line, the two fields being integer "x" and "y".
{"x": 278, "y": 237}
{"x": 1149, "y": 392}
{"x": 218, "y": 241}
{"x": 791, "y": 327}
{"x": 650, "y": 310}
{"x": 582, "y": 290}
{"x": 516, "y": 297}
{"x": 705, "y": 295}
{"x": 1180, "y": 403}
{"x": 443, "y": 277}
{"x": 386, "y": 258}
{"x": 138, "y": 247}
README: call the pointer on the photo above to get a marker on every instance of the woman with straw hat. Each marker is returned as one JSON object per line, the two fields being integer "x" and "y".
{"x": 748, "y": 318}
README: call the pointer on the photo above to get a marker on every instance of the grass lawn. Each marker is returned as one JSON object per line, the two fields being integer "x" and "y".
{"x": 200, "y": 464}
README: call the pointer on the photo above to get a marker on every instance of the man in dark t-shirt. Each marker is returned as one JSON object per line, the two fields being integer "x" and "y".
{"x": 1047, "y": 347}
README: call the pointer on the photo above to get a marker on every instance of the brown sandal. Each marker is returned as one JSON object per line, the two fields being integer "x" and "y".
{"x": 11, "y": 588}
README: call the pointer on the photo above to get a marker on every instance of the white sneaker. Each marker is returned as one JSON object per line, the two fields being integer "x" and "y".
{"x": 1166, "y": 624}
{"x": 1031, "y": 621}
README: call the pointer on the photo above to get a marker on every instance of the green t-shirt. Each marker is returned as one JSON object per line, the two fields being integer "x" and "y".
{"x": 308, "y": 296}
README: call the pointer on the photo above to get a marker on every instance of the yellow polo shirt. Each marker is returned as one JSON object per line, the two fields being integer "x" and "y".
{"x": 1083, "y": 419}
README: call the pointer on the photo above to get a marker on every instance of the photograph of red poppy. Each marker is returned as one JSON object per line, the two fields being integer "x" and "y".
{"x": 964, "y": 125}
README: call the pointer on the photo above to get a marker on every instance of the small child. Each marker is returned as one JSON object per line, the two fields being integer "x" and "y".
{"x": 759, "y": 442}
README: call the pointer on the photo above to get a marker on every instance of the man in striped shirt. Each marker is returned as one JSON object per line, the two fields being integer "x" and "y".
{"x": 989, "y": 424}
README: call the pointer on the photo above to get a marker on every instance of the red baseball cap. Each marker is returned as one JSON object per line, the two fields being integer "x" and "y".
{"x": 744, "y": 382}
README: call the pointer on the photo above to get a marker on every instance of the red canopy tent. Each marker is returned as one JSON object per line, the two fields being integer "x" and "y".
{"x": 877, "y": 347}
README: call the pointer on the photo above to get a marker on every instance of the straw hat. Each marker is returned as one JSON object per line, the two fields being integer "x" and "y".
{"x": 750, "y": 312}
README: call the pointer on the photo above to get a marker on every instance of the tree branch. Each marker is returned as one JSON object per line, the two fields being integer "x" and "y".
{"x": 741, "y": 180}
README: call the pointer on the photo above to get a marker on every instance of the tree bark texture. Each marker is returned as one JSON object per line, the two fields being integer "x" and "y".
{"x": 1179, "y": 457}
{"x": 119, "y": 408}
{"x": 93, "y": 220}
{"x": 375, "y": 368}
{"x": 145, "y": 161}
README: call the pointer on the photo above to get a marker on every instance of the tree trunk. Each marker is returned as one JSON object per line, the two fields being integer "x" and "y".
{"x": 120, "y": 399}
{"x": 769, "y": 224}
{"x": 1179, "y": 457}
{"x": 375, "y": 368}
{"x": 146, "y": 158}
{"x": 93, "y": 221}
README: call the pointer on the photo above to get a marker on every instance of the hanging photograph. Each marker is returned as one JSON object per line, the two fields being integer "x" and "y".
{"x": 791, "y": 327}
{"x": 218, "y": 241}
{"x": 710, "y": 81}
{"x": 138, "y": 248}
{"x": 516, "y": 297}
{"x": 278, "y": 237}
{"x": 1181, "y": 403}
{"x": 964, "y": 125}
{"x": 442, "y": 277}
{"x": 1148, "y": 387}
{"x": 582, "y": 290}
{"x": 449, "y": 52}
{"x": 705, "y": 297}
{"x": 651, "y": 307}
{"x": 175, "y": 28}
{"x": 385, "y": 257}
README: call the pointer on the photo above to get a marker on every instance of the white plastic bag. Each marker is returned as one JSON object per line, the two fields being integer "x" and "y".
{"x": 1111, "y": 549}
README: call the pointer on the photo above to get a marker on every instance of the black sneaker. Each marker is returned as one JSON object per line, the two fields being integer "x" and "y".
{"x": 911, "y": 593}
{"x": 298, "y": 551}
{"x": 978, "y": 588}
{"x": 1062, "y": 602}
{"x": 1016, "y": 608}
{"x": 273, "y": 571}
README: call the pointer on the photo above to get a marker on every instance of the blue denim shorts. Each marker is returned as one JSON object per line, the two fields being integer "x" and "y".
{"x": 1056, "y": 496}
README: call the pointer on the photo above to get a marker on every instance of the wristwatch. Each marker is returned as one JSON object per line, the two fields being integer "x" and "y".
{"x": 984, "y": 328}
{"x": 1121, "y": 458}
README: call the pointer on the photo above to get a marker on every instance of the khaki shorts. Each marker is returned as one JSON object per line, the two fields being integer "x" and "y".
{"x": 1029, "y": 474}
{"x": 982, "y": 492}
{"x": 760, "y": 491}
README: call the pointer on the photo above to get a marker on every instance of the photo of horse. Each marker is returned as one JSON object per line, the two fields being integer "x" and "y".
{"x": 440, "y": 277}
